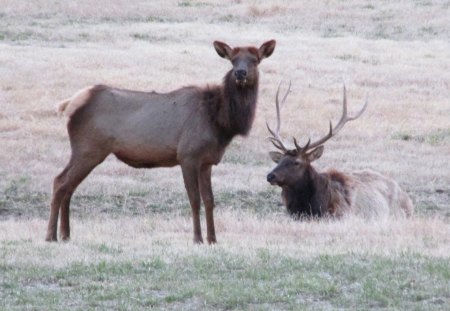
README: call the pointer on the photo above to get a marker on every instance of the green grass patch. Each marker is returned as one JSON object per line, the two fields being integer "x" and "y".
{"x": 369, "y": 7}
{"x": 148, "y": 37}
{"x": 434, "y": 138}
{"x": 261, "y": 203}
{"x": 190, "y": 3}
{"x": 18, "y": 200}
{"x": 227, "y": 18}
{"x": 347, "y": 57}
{"x": 428, "y": 30}
{"x": 219, "y": 280}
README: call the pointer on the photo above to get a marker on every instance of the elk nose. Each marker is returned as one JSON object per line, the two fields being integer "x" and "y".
{"x": 271, "y": 177}
{"x": 240, "y": 73}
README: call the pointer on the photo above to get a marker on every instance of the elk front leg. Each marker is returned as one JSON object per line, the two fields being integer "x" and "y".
{"x": 208, "y": 201}
{"x": 190, "y": 176}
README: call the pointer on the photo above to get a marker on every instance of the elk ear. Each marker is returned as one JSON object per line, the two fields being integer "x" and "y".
{"x": 314, "y": 155}
{"x": 223, "y": 49}
{"x": 266, "y": 49}
{"x": 276, "y": 156}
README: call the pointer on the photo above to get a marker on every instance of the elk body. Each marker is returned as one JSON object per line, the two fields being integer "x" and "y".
{"x": 309, "y": 193}
{"x": 190, "y": 127}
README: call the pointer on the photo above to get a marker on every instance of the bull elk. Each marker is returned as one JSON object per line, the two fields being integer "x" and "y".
{"x": 190, "y": 127}
{"x": 309, "y": 193}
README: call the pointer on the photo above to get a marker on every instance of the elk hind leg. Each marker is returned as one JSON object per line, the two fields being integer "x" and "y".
{"x": 65, "y": 184}
{"x": 55, "y": 204}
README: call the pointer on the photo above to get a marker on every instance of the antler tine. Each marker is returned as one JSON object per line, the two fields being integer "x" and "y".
{"x": 276, "y": 139}
{"x": 344, "y": 119}
{"x": 301, "y": 149}
{"x": 277, "y": 144}
{"x": 356, "y": 116}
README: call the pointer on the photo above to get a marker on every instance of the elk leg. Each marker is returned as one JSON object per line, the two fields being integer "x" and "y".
{"x": 191, "y": 184}
{"x": 54, "y": 207}
{"x": 208, "y": 201}
{"x": 64, "y": 185}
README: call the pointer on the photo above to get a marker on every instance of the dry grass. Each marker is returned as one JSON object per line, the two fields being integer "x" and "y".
{"x": 242, "y": 234}
{"x": 397, "y": 53}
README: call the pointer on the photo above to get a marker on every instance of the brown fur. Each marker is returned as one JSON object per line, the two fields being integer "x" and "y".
{"x": 308, "y": 193}
{"x": 340, "y": 188}
{"x": 190, "y": 127}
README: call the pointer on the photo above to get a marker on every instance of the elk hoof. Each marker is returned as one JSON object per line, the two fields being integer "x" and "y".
{"x": 212, "y": 240}
{"x": 51, "y": 237}
{"x": 198, "y": 240}
{"x": 65, "y": 238}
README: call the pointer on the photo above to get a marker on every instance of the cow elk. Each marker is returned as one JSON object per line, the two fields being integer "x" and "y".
{"x": 190, "y": 127}
{"x": 308, "y": 193}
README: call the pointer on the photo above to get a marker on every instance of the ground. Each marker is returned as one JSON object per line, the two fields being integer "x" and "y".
{"x": 131, "y": 242}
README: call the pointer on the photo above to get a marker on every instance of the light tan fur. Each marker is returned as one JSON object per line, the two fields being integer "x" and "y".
{"x": 68, "y": 106}
{"x": 375, "y": 196}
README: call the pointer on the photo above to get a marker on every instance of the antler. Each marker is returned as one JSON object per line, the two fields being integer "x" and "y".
{"x": 333, "y": 131}
{"x": 276, "y": 139}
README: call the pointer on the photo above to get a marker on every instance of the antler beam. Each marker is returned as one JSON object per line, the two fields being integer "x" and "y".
{"x": 276, "y": 139}
{"x": 344, "y": 119}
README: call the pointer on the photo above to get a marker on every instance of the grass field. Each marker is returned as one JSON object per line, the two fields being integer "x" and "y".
{"x": 131, "y": 242}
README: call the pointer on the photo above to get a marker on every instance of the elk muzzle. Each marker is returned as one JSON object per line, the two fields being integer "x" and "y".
{"x": 241, "y": 76}
{"x": 271, "y": 178}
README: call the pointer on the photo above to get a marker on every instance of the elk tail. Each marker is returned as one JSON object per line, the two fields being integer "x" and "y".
{"x": 68, "y": 106}
{"x": 62, "y": 106}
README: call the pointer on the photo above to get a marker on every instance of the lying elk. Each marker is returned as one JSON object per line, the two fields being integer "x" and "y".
{"x": 190, "y": 127}
{"x": 307, "y": 193}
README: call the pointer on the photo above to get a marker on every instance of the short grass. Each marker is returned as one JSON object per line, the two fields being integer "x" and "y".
{"x": 131, "y": 243}
{"x": 261, "y": 263}
{"x": 223, "y": 281}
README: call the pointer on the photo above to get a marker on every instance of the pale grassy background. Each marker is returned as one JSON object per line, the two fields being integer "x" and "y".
{"x": 396, "y": 52}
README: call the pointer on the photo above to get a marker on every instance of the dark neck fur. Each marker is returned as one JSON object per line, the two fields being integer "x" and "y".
{"x": 309, "y": 196}
{"x": 232, "y": 107}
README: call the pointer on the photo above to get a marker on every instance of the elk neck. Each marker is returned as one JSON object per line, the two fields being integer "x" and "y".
{"x": 309, "y": 196}
{"x": 232, "y": 107}
{"x": 239, "y": 105}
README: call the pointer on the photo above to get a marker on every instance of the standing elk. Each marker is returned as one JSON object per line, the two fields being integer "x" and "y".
{"x": 190, "y": 127}
{"x": 308, "y": 193}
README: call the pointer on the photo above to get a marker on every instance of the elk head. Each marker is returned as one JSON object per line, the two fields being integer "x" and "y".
{"x": 245, "y": 60}
{"x": 294, "y": 165}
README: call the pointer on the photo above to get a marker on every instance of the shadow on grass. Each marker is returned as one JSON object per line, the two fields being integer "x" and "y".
{"x": 18, "y": 201}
